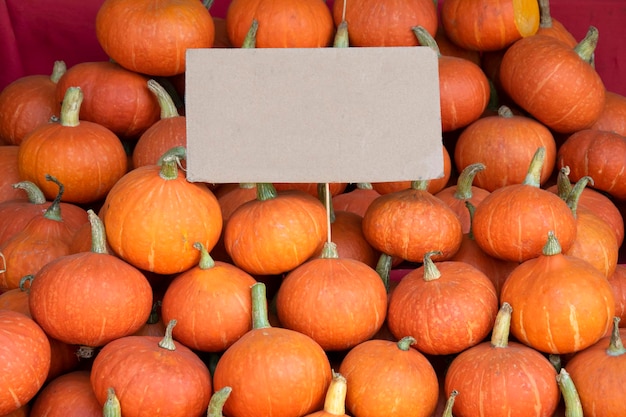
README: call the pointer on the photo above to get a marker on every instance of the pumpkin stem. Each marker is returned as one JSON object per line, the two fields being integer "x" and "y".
{"x": 464, "y": 183}
{"x": 70, "y": 108}
{"x": 431, "y": 272}
{"x": 26, "y": 279}
{"x": 218, "y": 399}
{"x": 207, "y": 4}
{"x": 616, "y": 346}
{"x": 168, "y": 342}
{"x": 533, "y": 177}
{"x": 329, "y": 251}
{"x": 573, "y": 406}
{"x": 168, "y": 108}
{"x": 447, "y": 412}
{"x": 383, "y": 268}
{"x": 587, "y": 46}
{"x": 364, "y": 186}
{"x": 555, "y": 360}
{"x": 341, "y": 36}
{"x": 505, "y": 111}
{"x": 85, "y": 352}
{"x": 260, "y": 319}
{"x": 406, "y": 342}
{"x": 472, "y": 209}
{"x": 33, "y": 193}
{"x": 335, "y": 401}
{"x": 502, "y": 326}
{"x": 206, "y": 261}
{"x": 153, "y": 318}
{"x": 426, "y": 39}
{"x": 169, "y": 162}
{"x": 552, "y": 246}
{"x": 58, "y": 69}
{"x": 420, "y": 185}
{"x": 53, "y": 212}
{"x": 250, "y": 40}
{"x": 265, "y": 191}
{"x": 577, "y": 190}
{"x": 112, "y": 407}
{"x": 323, "y": 194}
{"x": 98, "y": 234}
{"x": 563, "y": 184}
{"x": 545, "y": 18}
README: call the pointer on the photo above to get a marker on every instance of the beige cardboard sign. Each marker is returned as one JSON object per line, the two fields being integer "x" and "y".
{"x": 313, "y": 115}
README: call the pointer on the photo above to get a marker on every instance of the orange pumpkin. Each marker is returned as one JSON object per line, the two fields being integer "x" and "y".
{"x": 356, "y": 200}
{"x": 613, "y": 116}
{"x": 11, "y": 173}
{"x": 618, "y": 283}
{"x": 552, "y": 27}
{"x": 78, "y": 399}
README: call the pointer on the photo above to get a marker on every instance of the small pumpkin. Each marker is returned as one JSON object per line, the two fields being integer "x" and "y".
{"x": 151, "y": 376}
{"x": 126, "y": 31}
{"x": 613, "y": 116}
{"x": 562, "y": 327}
{"x": 389, "y": 378}
{"x": 357, "y": 200}
{"x": 68, "y": 395}
{"x": 296, "y": 365}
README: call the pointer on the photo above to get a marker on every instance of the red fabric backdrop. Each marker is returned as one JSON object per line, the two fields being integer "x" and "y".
{"x": 34, "y": 34}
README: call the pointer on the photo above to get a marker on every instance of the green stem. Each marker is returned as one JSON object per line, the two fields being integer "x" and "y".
{"x": 260, "y": 319}
{"x": 33, "y": 193}
{"x": 502, "y": 326}
{"x": 472, "y": 209}
{"x": 250, "y": 40}
{"x": 464, "y": 183}
{"x": 364, "y": 186}
{"x": 98, "y": 234}
{"x": 58, "y": 69}
{"x": 206, "y": 261}
{"x": 573, "y": 406}
{"x": 533, "y": 177}
{"x": 563, "y": 184}
{"x": 70, "y": 109}
{"x": 586, "y": 47}
{"x": 505, "y": 111}
{"x": 426, "y": 39}
{"x": 168, "y": 342}
{"x": 405, "y": 343}
{"x": 552, "y": 246}
{"x": 207, "y": 4}
{"x": 383, "y": 268}
{"x": 168, "y": 108}
{"x": 53, "y": 212}
{"x": 169, "y": 162}
{"x": 420, "y": 185}
{"x": 329, "y": 251}
{"x": 218, "y": 399}
{"x": 265, "y": 191}
{"x": 545, "y": 18}
{"x": 341, "y": 36}
{"x": 447, "y": 412}
{"x": 574, "y": 195}
{"x": 616, "y": 346}
{"x": 112, "y": 407}
{"x": 431, "y": 272}
{"x": 555, "y": 360}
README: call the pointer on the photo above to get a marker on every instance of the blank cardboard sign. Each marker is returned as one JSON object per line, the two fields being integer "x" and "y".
{"x": 313, "y": 115}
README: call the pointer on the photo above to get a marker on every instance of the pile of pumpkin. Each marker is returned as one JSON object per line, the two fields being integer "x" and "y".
{"x": 124, "y": 286}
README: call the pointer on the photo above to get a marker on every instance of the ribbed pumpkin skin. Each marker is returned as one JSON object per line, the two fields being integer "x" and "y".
{"x": 372, "y": 23}
{"x": 162, "y": 136}
{"x": 25, "y": 358}
{"x": 282, "y": 23}
{"x": 128, "y": 33}
{"x": 534, "y": 71}
{"x": 78, "y": 399}
{"x": 153, "y": 223}
{"x": 561, "y": 304}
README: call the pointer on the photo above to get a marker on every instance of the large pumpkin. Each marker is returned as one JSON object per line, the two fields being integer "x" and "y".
{"x": 127, "y": 33}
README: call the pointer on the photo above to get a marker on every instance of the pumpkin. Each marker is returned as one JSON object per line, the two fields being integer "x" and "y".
{"x": 618, "y": 283}
{"x": 85, "y": 156}
{"x": 276, "y": 232}
{"x": 27, "y": 103}
{"x": 613, "y": 116}
{"x": 44, "y": 238}
{"x": 373, "y": 25}
{"x": 127, "y": 33}
{"x": 152, "y": 376}
{"x": 311, "y": 187}
{"x": 534, "y": 71}
{"x": 598, "y": 373}
{"x": 155, "y": 325}
{"x": 449, "y": 48}
{"x": 501, "y": 377}
{"x": 68, "y": 395}
{"x": 513, "y": 221}
{"x": 282, "y": 24}
{"x": 113, "y": 96}
{"x": 25, "y": 358}
{"x": 272, "y": 371}
{"x": 169, "y": 131}
{"x": 211, "y": 304}
{"x": 113, "y": 297}
{"x": 463, "y": 86}
{"x": 11, "y": 173}
{"x": 335, "y": 401}
{"x": 598, "y": 154}
{"x": 15, "y": 214}
{"x": 389, "y": 378}
{"x": 551, "y": 27}
{"x": 357, "y": 200}
{"x": 185, "y": 213}
{"x": 339, "y": 302}
{"x": 505, "y": 143}
{"x": 489, "y": 25}
{"x": 582, "y": 316}
{"x": 457, "y": 196}
{"x": 445, "y": 306}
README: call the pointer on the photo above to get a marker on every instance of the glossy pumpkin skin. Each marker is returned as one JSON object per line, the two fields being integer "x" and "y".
{"x": 383, "y": 379}
{"x": 613, "y": 117}
{"x": 445, "y": 315}
{"x": 25, "y": 356}
{"x": 273, "y": 236}
{"x": 489, "y": 25}
{"x": 505, "y": 144}
{"x": 528, "y": 75}
{"x": 150, "y": 380}
{"x": 582, "y": 317}
{"x": 10, "y": 173}
{"x": 282, "y": 23}
{"x": 409, "y": 223}
{"x": 185, "y": 213}
{"x": 126, "y": 33}
{"x": 598, "y": 154}
{"x": 104, "y": 298}
{"x": 372, "y": 24}
{"x": 338, "y": 302}
{"x": 78, "y": 399}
